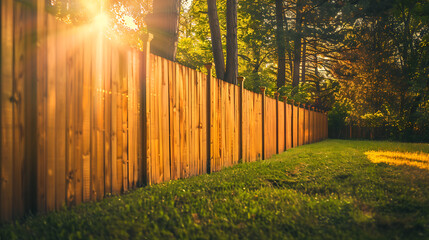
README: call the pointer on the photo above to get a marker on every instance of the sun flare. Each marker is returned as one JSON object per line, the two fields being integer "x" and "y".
{"x": 415, "y": 159}
{"x": 101, "y": 21}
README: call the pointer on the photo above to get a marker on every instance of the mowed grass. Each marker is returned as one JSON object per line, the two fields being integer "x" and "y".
{"x": 327, "y": 190}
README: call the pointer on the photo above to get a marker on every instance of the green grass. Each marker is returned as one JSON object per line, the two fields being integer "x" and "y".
{"x": 327, "y": 190}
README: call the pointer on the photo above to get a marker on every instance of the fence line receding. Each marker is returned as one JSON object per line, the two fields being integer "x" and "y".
{"x": 82, "y": 117}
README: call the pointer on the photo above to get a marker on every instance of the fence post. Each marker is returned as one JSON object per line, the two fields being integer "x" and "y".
{"x": 316, "y": 126}
{"x": 312, "y": 123}
{"x": 277, "y": 121}
{"x": 263, "y": 122}
{"x": 240, "y": 81}
{"x": 326, "y": 125}
{"x": 209, "y": 110}
{"x": 297, "y": 124}
{"x": 309, "y": 124}
{"x": 303, "y": 124}
{"x": 145, "y": 69}
{"x": 285, "y": 120}
{"x": 292, "y": 144}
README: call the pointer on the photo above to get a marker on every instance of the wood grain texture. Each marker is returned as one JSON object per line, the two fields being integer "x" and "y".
{"x": 86, "y": 117}
{"x": 6, "y": 108}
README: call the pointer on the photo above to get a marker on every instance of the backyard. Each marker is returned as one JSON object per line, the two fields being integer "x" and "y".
{"x": 334, "y": 189}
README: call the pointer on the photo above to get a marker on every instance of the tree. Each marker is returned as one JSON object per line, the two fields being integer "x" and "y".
{"x": 231, "y": 42}
{"x": 216, "y": 39}
{"x": 163, "y": 23}
{"x": 281, "y": 49}
{"x": 297, "y": 43}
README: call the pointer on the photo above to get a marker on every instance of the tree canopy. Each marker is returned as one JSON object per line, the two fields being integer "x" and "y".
{"x": 365, "y": 60}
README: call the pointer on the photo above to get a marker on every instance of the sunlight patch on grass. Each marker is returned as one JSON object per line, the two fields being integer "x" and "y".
{"x": 415, "y": 159}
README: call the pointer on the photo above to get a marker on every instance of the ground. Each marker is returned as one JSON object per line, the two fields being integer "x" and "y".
{"x": 329, "y": 190}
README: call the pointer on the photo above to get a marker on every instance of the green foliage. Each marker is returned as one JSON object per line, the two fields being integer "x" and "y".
{"x": 373, "y": 119}
{"x": 385, "y": 74}
{"x": 338, "y": 116}
{"x": 327, "y": 190}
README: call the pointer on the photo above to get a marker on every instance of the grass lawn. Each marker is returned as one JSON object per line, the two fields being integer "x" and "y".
{"x": 327, "y": 190}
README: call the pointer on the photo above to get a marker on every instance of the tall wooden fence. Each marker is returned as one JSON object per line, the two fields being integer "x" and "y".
{"x": 82, "y": 117}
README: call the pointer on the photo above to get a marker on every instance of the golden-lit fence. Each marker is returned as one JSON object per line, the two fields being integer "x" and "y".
{"x": 82, "y": 117}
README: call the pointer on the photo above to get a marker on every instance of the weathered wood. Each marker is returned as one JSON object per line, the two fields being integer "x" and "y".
{"x": 41, "y": 103}
{"x": 263, "y": 122}
{"x": 50, "y": 121}
{"x": 18, "y": 98}
{"x": 86, "y": 119}
{"x": 165, "y": 129}
{"x": 144, "y": 74}
{"x": 281, "y": 144}
{"x": 107, "y": 96}
{"x": 29, "y": 178}
{"x": 301, "y": 133}
{"x": 285, "y": 121}
{"x": 277, "y": 121}
{"x": 78, "y": 116}
{"x": 6, "y": 114}
{"x": 110, "y": 118}
{"x": 209, "y": 117}
{"x": 60, "y": 119}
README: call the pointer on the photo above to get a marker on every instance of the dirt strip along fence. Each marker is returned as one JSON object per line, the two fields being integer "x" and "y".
{"x": 83, "y": 117}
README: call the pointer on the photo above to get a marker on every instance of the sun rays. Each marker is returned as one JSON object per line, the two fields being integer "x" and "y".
{"x": 415, "y": 159}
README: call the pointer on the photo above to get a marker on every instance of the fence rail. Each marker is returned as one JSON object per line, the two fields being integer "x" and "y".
{"x": 83, "y": 117}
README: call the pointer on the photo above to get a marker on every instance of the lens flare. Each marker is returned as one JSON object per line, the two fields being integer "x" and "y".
{"x": 101, "y": 21}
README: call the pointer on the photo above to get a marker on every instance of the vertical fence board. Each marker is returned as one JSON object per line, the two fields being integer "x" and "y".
{"x": 174, "y": 121}
{"x": 92, "y": 121}
{"x": 301, "y": 126}
{"x": 51, "y": 106}
{"x": 41, "y": 103}
{"x": 78, "y": 131}
{"x": 295, "y": 126}
{"x": 165, "y": 129}
{"x": 86, "y": 118}
{"x": 281, "y": 127}
{"x": 289, "y": 123}
{"x": 6, "y": 108}
{"x": 60, "y": 120}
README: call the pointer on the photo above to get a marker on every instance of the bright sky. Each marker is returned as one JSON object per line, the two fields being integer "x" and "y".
{"x": 186, "y": 4}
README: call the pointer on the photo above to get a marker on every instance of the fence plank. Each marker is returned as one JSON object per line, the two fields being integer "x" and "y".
{"x": 60, "y": 119}
{"x": 281, "y": 127}
{"x": 78, "y": 131}
{"x": 294, "y": 126}
{"x": 18, "y": 110}
{"x": 165, "y": 129}
{"x": 301, "y": 133}
{"x": 103, "y": 126}
{"x": 289, "y": 127}
{"x": 41, "y": 103}
{"x": 51, "y": 106}
{"x": 86, "y": 120}
{"x": 6, "y": 108}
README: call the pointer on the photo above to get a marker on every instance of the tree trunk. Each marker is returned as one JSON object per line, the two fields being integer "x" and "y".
{"x": 216, "y": 39}
{"x": 304, "y": 59}
{"x": 231, "y": 42}
{"x": 281, "y": 51}
{"x": 164, "y": 25}
{"x": 297, "y": 45}
{"x": 316, "y": 74}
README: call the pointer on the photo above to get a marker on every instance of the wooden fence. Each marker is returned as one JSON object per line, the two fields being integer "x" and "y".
{"x": 82, "y": 117}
